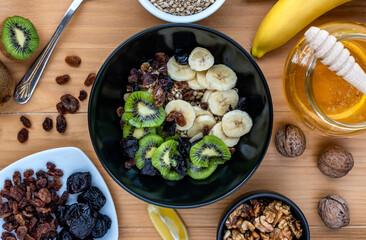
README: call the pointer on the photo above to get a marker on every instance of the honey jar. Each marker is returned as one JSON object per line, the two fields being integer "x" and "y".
{"x": 320, "y": 99}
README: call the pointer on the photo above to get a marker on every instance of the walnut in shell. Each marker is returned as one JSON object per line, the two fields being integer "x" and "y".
{"x": 335, "y": 161}
{"x": 334, "y": 211}
{"x": 290, "y": 141}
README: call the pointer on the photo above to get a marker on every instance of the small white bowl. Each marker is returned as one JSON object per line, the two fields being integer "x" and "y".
{"x": 181, "y": 19}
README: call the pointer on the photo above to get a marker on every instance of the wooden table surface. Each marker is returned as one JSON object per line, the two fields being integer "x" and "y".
{"x": 97, "y": 28}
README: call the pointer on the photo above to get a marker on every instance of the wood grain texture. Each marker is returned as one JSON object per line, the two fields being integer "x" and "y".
{"x": 96, "y": 30}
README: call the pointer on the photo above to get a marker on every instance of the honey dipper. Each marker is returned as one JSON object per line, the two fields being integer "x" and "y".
{"x": 333, "y": 54}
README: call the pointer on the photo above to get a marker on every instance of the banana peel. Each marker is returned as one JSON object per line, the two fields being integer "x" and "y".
{"x": 286, "y": 19}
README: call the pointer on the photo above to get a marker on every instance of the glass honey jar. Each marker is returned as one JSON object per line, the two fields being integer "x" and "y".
{"x": 321, "y": 100}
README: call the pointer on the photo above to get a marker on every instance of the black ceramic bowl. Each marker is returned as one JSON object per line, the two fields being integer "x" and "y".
{"x": 107, "y": 95}
{"x": 295, "y": 211}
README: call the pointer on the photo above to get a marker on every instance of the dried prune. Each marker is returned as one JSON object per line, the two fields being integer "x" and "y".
{"x": 60, "y": 108}
{"x": 61, "y": 124}
{"x": 181, "y": 57}
{"x": 26, "y": 122}
{"x": 81, "y": 220}
{"x": 78, "y": 182}
{"x": 47, "y": 124}
{"x": 63, "y": 79}
{"x": 94, "y": 197}
{"x": 168, "y": 128}
{"x": 73, "y": 61}
{"x": 64, "y": 235}
{"x": 60, "y": 215}
{"x": 102, "y": 226}
{"x": 70, "y": 103}
{"x": 253, "y": 105}
{"x": 149, "y": 169}
{"x": 181, "y": 166}
{"x": 129, "y": 146}
{"x": 184, "y": 146}
{"x": 130, "y": 163}
{"x": 90, "y": 79}
{"x": 83, "y": 95}
{"x": 23, "y": 135}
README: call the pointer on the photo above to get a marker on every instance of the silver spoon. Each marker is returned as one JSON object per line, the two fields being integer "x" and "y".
{"x": 28, "y": 83}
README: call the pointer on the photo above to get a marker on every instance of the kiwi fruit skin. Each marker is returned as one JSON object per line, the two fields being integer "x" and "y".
{"x": 32, "y": 45}
{"x": 7, "y": 84}
{"x": 200, "y": 173}
{"x": 147, "y": 146}
{"x": 138, "y": 133}
{"x": 219, "y": 152}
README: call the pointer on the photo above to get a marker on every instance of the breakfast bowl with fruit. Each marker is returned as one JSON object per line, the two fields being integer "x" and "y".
{"x": 180, "y": 115}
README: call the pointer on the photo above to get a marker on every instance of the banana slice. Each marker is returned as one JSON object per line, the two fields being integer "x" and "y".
{"x": 201, "y": 59}
{"x": 195, "y": 85}
{"x": 200, "y": 123}
{"x": 206, "y": 95}
{"x": 186, "y": 109}
{"x": 221, "y": 77}
{"x": 219, "y": 102}
{"x": 218, "y": 132}
{"x": 200, "y": 112}
{"x": 196, "y": 137}
{"x": 201, "y": 79}
{"x": 236, "y": 123}
{"x": 179, "y": 72}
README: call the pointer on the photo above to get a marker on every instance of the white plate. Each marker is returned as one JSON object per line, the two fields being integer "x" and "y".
{"x": 69, "y": 160}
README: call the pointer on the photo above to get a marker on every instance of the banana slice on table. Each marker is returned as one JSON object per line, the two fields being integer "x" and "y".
{"x": 186, "y": 109}
{"x": 206, "y": 95}
{"x": 195, "y": 85}
{"x": 218, "y": 132}
{"x": 236, "y": 123}
{"x": 200, "y": 123}
{"x": 200, "y": 112}
{"x": 221, "y": 77}
{"x": 219, "y": 102}
{"x": 201, "y": 59}
{"x": 201, "y": 79}
{"x": 179, "y": 72}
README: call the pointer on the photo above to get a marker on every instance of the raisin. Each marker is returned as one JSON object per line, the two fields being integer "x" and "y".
{"x": 60, "y": 108}
{"x": 7, "y": 236}
{"x": 26, "y": 122}
{"x": 63, "y": 79}
{"x": 146, "y": 78}
{"x": 232, "y": 150}
{"x": 159, "y": 102}
{"x": 21, "y": 232}
{"x": 158, "y": 92}
{"x": 129, "y": 146}
{"x": 133, "y": 78}
{"x": 90, "y": 79}
{"x": 136, "y": 88}
{"x": 120, "y": 111}
{"x": 47, "y": 124}
{"x": 206, "y": 130}
{"x": 63, "y": 198}
{"x": 70, "y": 103}
{"x": 61, "y": 124}
{"x": 73, "y": 61}
{"x": 78, "y": 182}
{"x": 181, "y": 85}
{"x": 83, "y": 95}
{"x": 188, "y": 95}
{"x": 94, "y": 197}
{"x": 166, "y": 82}
{"x": 45, "y": 195}
{"x": 23, "y": 135}
{"x": 28, "y": 173}
{"x": 7, "y": 184}
{"x": 177, "y": 116}
{"x": 204, "y": 105}
{"x": 168, "y": 128}
{"x": 41, "y": 183}
{"x": 121, "y": 124}
{"x": 102, "y": 226}
{"x": 181, "y": 57}
{"x": 130, "y": 163}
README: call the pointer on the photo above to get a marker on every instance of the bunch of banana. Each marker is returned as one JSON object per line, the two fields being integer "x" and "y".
{"x": 286, "y": 19}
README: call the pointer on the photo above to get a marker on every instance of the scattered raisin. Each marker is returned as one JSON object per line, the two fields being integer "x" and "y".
{"x": 146, "y": 77}
{"x": 90, "y": 79}
{"x": 206, "y": 130}
{"x": 232, "y": 150}
{"x": 159, "y": 102}
{"x": 28, "y": 173}
{"x": 60, "y": 108}
{"x": 158, "y": 92}
{"x": 26, "y": 122}
{"x": 130, "y": 163}
{"x": 47, "y": 124}
{"x": 45, "y": 195}
{"x": 63, "y": 79}
{"x": 136, "y": 88}
{"x": 204, "y": 105}
{"x": 166, "y": 82}
{"x": 188, "y": 95}
{"x": 181, "y": 85}
{"x": 82, "y": 95}
{"x": 120, "y": 111}
{"x": 121, "y": 124}
{"x": 61, "y": 124}
{"x": 133, "y": 78}
{"x": 177, "y": 116}
{"x": 73, "y": 61}
{"x": 70, "y": 103}
{"x": 23, "y": 135}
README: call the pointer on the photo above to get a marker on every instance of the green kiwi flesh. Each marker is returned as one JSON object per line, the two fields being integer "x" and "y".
{"x": 209, "y": 150}
{"x": 163, "y": 160}
{"x": 200, "y": 173}
{"x": 138, "y": 133}
{"x": 147, "y": 146}
{"x": 176, "y": 136}
{"x": 7, "y": 84}
{"x": 19, "y": 38}
{"x": 140, "y": 111}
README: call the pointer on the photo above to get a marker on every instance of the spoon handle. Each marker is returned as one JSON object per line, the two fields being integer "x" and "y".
{"x": 28, "y": 83}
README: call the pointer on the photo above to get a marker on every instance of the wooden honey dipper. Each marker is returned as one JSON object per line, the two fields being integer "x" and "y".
{"x": 333, "y": 54}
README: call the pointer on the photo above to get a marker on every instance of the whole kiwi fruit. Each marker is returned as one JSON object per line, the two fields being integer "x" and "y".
{"x": 7, "y": 84}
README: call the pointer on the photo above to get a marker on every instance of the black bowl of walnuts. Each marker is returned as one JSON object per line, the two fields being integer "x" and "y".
{"x": 263, "y": 215}
{"x": 180, "y": 115}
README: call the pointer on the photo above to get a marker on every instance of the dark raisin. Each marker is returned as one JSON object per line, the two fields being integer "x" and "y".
{"x": 47, "y": 124}
{"x": 149, "y": 169}
{"x": 63, "y": 198}
{"x": 94, "y": 197}
{"x": 130, "y": 163}
{"x": 161, "y": 57}
{"x": 61, "y": 124}
{"x": 60, "y": 108}
{"x": 253, "y": 105}
{"x": 158, "y": 92}
{"x": 181, "y": 85}
{"x": 232, "y": 150}
{"x": 83, "y": 95}
{"x": 136, "y": 88}
{"x": 129, "y": 88}
{"x": 23, "y": 135}
{"x": 168, "y": 128}
{"x": 28, "y": 173}
{"x": 90, "y": 79}
{"x": 120, "y": 111}
{"x": 177, "y": 116}
{"x": 181, "y": 57}
{"x": 73, "y": 61}
{"x": 184, "y": 146}
{"x": 206, "y": 130}
{"x": 181, "y": 166}
{"x": 78, "y": 182}
{"x": 26, "y": 122}
{"x": 170, "y": 83}
{"x": 188, "y": 95}
{"x": 50, "y": 166}
{"x": 63, "y": 79}
{"x": 146, "y": 78}
{"x": 160, "y": 101}
{"x": 133, "y": 78}
{"x": 204, "y": 105}
{"x": 129, "y": 146}
{"x": 7, "y": 236}
{"x": 102, "y": 226}
{"x": 70, "y": 103}
{"x": 7, "y": 184}
{"x": 163, "y": 81}
{"x": 121, "y": 124}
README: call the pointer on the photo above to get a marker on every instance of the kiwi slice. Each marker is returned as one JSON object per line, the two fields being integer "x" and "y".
{"x": 19, "y": 38}
{"x": 175, "y": 137}
{"x": 147, "y": 146}
{"x": 209, "y": 150}
{"x": 163, "y": 160}
{"x": 140, "y": 110}
{"x": 138, "y": 133}
{"x": 200, "y": 173}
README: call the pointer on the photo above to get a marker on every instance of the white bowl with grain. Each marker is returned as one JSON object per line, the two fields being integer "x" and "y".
{"x": 153, "y": 7}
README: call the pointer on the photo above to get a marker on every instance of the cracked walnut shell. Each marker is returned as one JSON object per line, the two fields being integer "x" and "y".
{"x": 334, "y": 211}
{"x": 335, "y": 161}
{"x": 290, "y": 141}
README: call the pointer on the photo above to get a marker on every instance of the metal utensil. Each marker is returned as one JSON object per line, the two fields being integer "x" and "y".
{"x": 28, "y": 83}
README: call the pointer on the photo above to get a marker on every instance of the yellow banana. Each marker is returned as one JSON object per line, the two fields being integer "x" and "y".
{"x": 286, "y": 19}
